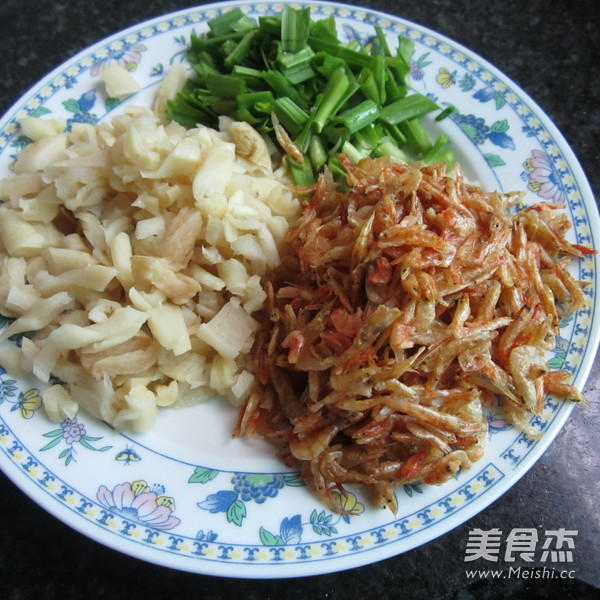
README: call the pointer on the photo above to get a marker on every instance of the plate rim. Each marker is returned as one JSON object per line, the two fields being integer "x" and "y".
{"x": 561, "y": 416}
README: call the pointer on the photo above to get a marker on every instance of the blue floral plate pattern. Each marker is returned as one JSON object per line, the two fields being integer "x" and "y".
{"x": 188, "y": 496}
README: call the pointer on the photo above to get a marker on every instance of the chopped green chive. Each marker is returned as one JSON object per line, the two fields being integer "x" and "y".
{"x": 359, "y": 116}
{"x": 334, "y": 90}
{"x": 409, "y": 107}
{"x": 234, "y": 20}
{"x": 326, "y": 96}
{"x": 295, "y": 27}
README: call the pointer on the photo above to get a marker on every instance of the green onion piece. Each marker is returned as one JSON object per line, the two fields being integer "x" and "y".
{"x": 189, "y": 88}
{"x": 242, "y": 113}
{"x": 396, "y": 134}
{"x": 205, "y": 62}
{"x": 379, "y": 71}
{"x": 302, "y": 174}
{"x": 445, "y": 113}
{"x": 353, "y": 153}
{"x": 335, "y": 136}
{"x": 303, "y": 139}
{"x": 409, "y": 107}
{"x": 251, "y": 99}
{"x": 234, "y": 20}
{"x": 326, "y": 65}
{"x": 336, "y": 170}
{"x": 353, "y": 88}
{"x": 317, "y": 152}
{"x": 263, "y": 108}
{"x": 244, "y": 23}
{"x": 291, "y": 116}
{"x": 299, "y": 75}
{"x": 399, "y": 68}
{"x": 270, "y": 25}
{"x": 369, "y": 137}
{"x": 196, "y": 43}
{"x": 225, "y": 86}
{"x": 193, "y": 95}
{"x": 325, "y": 29}
{"x": 186, "y": 115}
{"x": 352, "y": 57}
{"x": 333, "y": 92}
{"x": 296, "y": 67}
{"x": 241, "y": 49}
{"x": 291, "y": 60}
{"x": 394, "y": 90}
{"x": 406, "y": 48}
{"x": 416, "y": 136}
{"x": 368, "y": 85}
{"x": 208, "y": 43}
{"x": 295, "y": 27}
{"x": 382, "y": 40}
{"x": 282, "y": 87}
{"x": 228, "y": 47}
{"x": 222, "y": 106}
{"x": 390, "y": 148}
{"x": 252, "y": 77}
{"x": 439, "y": 151}
{"x": 246, "y": 72}
{"x": 359, "y": 116}
{"x": 257, "y": 104}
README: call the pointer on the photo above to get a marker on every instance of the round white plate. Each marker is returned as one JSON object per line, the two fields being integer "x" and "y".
{"x": 186, "y": 495}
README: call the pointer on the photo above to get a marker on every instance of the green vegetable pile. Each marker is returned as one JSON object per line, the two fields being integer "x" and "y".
{"x": 292, "y": 78}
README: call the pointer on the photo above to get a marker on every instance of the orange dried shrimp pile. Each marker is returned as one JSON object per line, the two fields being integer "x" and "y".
{"x": 405, "y": 306}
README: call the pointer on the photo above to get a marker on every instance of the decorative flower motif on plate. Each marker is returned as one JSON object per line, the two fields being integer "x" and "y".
{"x": 127, "y": 55}
{"x": 322, "y": 523}
{"x": 542, "y": 178}
{"x": 446, "y": 78}
{"x": 418, "y": 65}
{"x": 81, "y": 109}
{"x": 247, "y": 487}
{"x": 26, "y": 403}
{"x": 71, "y": 433}
{"x": 137, "y": 501}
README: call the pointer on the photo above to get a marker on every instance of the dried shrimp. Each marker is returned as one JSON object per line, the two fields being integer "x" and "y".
{"x": 405, "y": 305}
